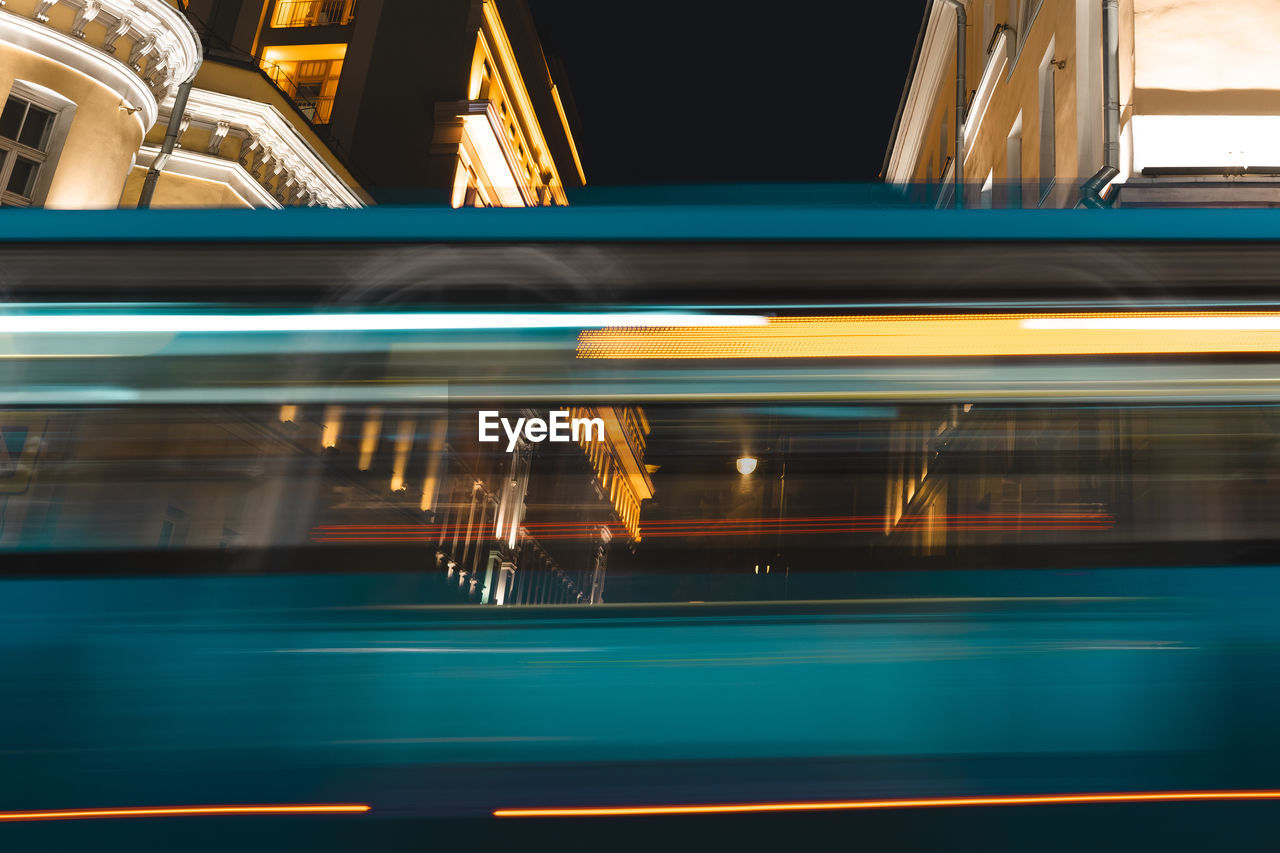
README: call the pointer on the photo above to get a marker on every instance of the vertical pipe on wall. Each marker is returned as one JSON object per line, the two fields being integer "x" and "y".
{"x": 1091, "y": 190}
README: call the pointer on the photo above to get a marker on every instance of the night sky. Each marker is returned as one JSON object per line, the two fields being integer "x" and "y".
{"x": 710, "y": 91}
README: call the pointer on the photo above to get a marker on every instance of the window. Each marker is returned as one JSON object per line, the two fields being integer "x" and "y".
{"x": 943, "y": 141}
{"x": 1013, "y": 165}
{"x": 26, "y": 131}
{"x": 1048, "y": 120}
{"x": 313, "y": 13}
{"x": 308, "y": 74}
{"x": 310, "y": 91}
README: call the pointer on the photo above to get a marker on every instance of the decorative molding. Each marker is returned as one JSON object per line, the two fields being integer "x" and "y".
{"x": 938, "y": 47}
{"x": 498, "y": 48}
{"x": 207, "y": 167}
{"x": 997, "y": 61}
{"x": 487, "y": 132}
{"x": 275, "y": 156}
{"x": 474, "y": 133}
{"x": 218, "y": 136}
{"x": 74, "y": 53}
{"x": 163, "y": 48}
{"x": 84, "y": 17}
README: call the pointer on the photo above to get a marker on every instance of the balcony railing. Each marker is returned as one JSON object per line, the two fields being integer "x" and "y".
{"x": 313, "y": 13}
{"x": 317, "y": 108}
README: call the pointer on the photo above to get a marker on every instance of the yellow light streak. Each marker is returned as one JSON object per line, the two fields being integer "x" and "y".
{"x": 369, "y": 438}
{"x": 182, "y": 811}
{"x": 931, "y": 802}
{"x": 948, "y": 336}
{"x": 332, "y": 427}
{"x": 404, "y": 443}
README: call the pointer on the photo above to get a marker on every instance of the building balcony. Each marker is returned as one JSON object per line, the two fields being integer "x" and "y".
{"x": 308, "y": 75}
{"x": 313, "y": 13}
{"x": 249, "y": 146}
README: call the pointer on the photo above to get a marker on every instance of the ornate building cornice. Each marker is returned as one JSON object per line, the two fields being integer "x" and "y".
{"x": 140, "y": 48}
{"x": 256, "y": 139}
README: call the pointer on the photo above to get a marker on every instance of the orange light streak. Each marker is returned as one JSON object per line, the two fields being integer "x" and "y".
{"x": 921, "y": 803}
{"x": 947, "y": 336}
{"x": 183, "y": 811}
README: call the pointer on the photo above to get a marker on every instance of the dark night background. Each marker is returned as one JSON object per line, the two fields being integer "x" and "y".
{"x": 708, "y": 91}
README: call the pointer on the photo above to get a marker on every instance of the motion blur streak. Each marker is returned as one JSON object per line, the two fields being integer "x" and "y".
{"x": 929, "y": 803}
{"x": 182, "y": 811}
{"x": 159, "y": 322}
{"x": 938, "y": 336}
{"x": 994, "y": 522}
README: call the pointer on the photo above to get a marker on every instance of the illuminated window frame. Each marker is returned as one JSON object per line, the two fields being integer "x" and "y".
{"x": 47, "y": 155}
{"x": 282, "y": 65}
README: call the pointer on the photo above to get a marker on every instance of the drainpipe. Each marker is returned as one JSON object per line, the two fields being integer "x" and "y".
{"x": 175, "y": 124}
{"x": 962, "y": 22}
{"x": 1091, "y": 190}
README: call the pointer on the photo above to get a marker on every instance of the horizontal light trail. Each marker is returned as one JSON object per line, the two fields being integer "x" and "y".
{"x": 1067, "y": 521}
{"x": 1175, "y": 322}
{"x": 108, "y": 323}
{"x": 183, "y": 811}
{"x": 384, "y": 540}
{"x": 947, "y": 336}
{"x": 918, "y": 803}
{"x": 703, "y": 522}
{"x": 752, "y": 520}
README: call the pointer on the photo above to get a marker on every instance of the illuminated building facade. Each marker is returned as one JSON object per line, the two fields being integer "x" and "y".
{"x": 962, "y": 475}
{"x": 336, "y": 103}
{"x": 82, "y": 85}
{"x": 1194, "y": 104}
{"x": 450, "y": 100}
{"x": 328, "y": 489}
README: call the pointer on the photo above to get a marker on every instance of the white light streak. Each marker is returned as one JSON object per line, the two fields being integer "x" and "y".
{"x": 106, "y": 323}
{"x": 1206, "y": 323}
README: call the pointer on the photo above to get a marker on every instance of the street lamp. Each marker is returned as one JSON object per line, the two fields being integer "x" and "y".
{"x": 746, "y": 464}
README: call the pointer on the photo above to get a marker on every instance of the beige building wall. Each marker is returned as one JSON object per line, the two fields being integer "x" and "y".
{"x": 1017, "y": 97}
{"x": 1209, "y": 46}
{"x": 1200, "y": 101}
{"x": 177, "y": 190}
{"x": 109, "y": 70}
{"x": 1206, "y": 92}
{"x": 1013, "y": 52}
{"x": 90, "y": 168}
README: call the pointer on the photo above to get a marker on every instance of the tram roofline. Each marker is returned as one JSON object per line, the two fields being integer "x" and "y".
{"x": 782, "y": 223}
